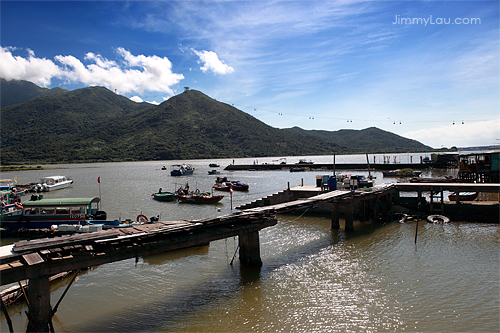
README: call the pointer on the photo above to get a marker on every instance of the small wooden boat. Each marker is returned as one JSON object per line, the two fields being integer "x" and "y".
{"x": 223, "y": 186}
{"x": 463, "y": 196}
{"x": 441, "y": 219}
{"x": 163, "y": 196}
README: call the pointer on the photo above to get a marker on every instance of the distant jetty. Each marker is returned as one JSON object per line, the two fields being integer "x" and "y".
{"x": 340, "y": 166}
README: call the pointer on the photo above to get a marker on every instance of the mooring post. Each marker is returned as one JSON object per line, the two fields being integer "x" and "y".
{"x": 335, "y": 215}
{"x": 39, "y": 300}
{"x": 249, "y": 248}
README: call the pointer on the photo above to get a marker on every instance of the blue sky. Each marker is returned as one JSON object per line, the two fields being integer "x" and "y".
{"x": 427, "y": 70}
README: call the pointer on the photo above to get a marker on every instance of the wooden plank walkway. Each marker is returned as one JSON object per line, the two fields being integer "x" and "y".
{"x": 30, "y": 258}
{"x": 318, "y": 199}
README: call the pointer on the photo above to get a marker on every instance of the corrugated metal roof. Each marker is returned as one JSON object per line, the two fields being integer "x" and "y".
{"x": 60, "y": 202}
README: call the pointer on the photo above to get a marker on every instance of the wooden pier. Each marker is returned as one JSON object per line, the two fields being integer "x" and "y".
{"x": 37, "y": 260}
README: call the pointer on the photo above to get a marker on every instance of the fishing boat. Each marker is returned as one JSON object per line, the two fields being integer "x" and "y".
{"x": 214, "y": 165}
{"x": 223, "y": 184}
{"x": 213, "y": 172}
{"x": 239, "y": 186}
{"x": 183, "y": 194}
{"x": 182, "y": 170}
{"x": 463, "y": 196}
{"x": 199, "y": 197}
{"x": 44, "y": 213}
{"x": 53, "y": 183}
{"x": 163, "y": 196}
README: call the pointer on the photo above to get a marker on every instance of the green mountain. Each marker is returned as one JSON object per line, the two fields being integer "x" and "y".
{"x": 368, "y": 140}
{"x": 13, "y": 92}
{"x": 95, "y": 124}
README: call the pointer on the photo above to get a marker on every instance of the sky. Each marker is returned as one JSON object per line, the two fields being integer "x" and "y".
{"x": 425, "y": 70}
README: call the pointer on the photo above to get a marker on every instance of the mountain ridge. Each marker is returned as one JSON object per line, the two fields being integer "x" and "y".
{"x": 95, "y": 124}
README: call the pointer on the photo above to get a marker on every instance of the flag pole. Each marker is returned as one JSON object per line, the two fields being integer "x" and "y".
{"x": 99, "y": 181}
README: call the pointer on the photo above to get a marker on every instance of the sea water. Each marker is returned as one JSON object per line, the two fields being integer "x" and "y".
{"x": 313, "y": 278}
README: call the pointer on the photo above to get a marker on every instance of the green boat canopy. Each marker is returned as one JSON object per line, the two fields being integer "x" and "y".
{"x": 61, "y": 202}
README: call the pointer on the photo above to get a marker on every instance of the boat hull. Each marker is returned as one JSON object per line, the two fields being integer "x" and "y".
{"x": 164, "y": 196}
{"x": 199, "y": 199}
{"x": 467, "y": 196}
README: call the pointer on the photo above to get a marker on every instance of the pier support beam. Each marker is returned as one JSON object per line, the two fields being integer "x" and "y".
{"x": 39, "y": 304}
{"x": 249, "y": 248}
{"x": 335, "y": 216}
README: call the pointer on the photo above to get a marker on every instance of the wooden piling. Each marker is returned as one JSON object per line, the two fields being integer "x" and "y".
{"x": 249, "y": 248}
{"x": 349, "y": 218}
{"x": 335, "y": 215}
{"x": 39, "y": 300}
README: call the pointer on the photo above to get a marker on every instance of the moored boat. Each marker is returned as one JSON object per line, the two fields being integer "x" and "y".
{"x": 199, "y": 197}
{"x": 401, "y": 173}
{"x": 53, "y": 183}
{"x": 43, "y": 213}
{"x": 182, "y": 170}
{"x": 239, "y": 186}
{"x": 163, "y": 196}
{"x": 463, "y": 196}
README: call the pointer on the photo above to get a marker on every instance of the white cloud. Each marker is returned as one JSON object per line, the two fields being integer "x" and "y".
{"x": 133, "y": 74}
{"x": 212, "y": 63}
{"x": 459, "y": 135}
{"x": 136, "y": 99}
{"x": 37, "y": 70}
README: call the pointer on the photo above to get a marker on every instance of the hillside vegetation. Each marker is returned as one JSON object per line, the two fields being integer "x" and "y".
{"x": 95, "y": 124}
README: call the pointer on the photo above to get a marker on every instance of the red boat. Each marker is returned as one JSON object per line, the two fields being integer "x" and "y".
{"x": 225, "y": 185}
{"x": 463, "y": 196}
{"x": 239, "y": 186}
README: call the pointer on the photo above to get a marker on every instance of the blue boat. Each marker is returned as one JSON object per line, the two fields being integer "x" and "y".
{"x": 182, "y": 170}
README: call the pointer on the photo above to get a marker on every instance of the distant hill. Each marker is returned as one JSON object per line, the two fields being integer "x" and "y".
{"x": 13, "y": 92}
{"x": 369, "y": 140}
{"x": 95, "y": 124}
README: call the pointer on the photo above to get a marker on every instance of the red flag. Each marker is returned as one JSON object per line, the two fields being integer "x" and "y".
{"x": 99, "y": 179}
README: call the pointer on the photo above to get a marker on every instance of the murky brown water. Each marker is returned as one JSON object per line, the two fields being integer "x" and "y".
{"x": 313, "y": 279}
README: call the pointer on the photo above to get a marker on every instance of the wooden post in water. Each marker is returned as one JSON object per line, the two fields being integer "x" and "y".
{"x": 39, "y": 300}
{"x": 249, "y": 248}
{"x": 335, "y": 215}
{"x": 349, "y": 218}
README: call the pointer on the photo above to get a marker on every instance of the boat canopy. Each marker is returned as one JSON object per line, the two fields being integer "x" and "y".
{"x": 61, "y": 202}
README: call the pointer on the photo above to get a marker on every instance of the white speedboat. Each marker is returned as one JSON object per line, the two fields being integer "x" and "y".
{"x": 54, "y": 183}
